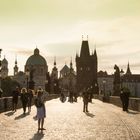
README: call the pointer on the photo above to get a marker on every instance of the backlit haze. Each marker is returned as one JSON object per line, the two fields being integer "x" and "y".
{"x": 56, "y": 28}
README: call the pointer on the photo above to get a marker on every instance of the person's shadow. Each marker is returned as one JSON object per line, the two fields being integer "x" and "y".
{"x": 21, "y": 116}
{"x": 37, "y": 136}
{"x": 132, "y": 112}
{"x": 89, "y": 114}
{"x": 9, "y": 113}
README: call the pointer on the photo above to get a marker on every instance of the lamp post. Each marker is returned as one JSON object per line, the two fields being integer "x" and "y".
{"x": 104, "y": 82}
{"x": 121, "y": 76}
{"x": 27, "y": 77}
{"x": 96, "y": 88}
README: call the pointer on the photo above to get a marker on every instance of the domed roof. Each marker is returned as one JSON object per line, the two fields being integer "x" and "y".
{"x": 36, "y": 59}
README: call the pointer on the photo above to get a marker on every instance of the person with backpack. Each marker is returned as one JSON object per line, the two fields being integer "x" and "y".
{"x": 85, "y": 99}
{"x": 24, "y": 99}
{"x": 41, "y": 111}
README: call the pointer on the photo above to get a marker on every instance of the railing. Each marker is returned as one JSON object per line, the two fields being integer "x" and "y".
{"x": 134, "y": 103}
{"x": 6, "y": 102}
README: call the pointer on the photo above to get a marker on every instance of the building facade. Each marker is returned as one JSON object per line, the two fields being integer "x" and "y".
{"x": 67, "y": 79}
{"x": 105, "y": 83}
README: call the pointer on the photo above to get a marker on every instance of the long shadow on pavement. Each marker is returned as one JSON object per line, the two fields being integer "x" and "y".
{"x": 21, "y": 116}
{"x": 89, "y": 114}
{"x": 37, "y": 136}
{"x": 9, "y": 113}
{"x": 133, "y": 113}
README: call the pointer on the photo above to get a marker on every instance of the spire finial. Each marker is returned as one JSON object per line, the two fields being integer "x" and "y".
{"x": 128, "y": 72}
{"x": 71, "y": 62}
{"x": 95, "y": 45}
{"x": 15, "y": 59}
{"x": 82, "y": 37}
{"x": 55, "y": 61}
{"x": 87, "y": 37}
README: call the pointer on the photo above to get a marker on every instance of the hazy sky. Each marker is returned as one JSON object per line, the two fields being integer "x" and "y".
{"x": 57, "y": 26}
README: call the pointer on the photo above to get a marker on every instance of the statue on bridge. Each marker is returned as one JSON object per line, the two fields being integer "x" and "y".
{"x": 116, "y": 80}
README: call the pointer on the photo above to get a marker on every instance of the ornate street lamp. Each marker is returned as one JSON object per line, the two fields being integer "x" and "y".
{"x": 121, "y": 76}
{"x": 27, "y": 73}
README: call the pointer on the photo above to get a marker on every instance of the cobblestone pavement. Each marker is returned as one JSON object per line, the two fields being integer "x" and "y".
{"x": 66, "y": 121}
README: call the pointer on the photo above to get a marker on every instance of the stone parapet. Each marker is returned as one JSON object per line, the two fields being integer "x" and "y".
{"x": 134, "y": 103}
{"x": 6, "y": 102}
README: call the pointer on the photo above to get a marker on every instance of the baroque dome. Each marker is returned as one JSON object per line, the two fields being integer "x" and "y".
{"x": 36, "y": 59}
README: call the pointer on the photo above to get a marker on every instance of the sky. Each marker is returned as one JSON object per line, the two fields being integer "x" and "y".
{"x": 56, "y": 28}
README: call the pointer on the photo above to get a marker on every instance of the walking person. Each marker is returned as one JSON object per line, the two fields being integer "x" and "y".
{"x": 41, "y": 111}
{"x": 62, "y": 97}
{"x": 15, "y": 95}
{"x": 24, "y": 99}
{"x": 30, "y": 97}
{"x": 122, "y": 97}
{"x": 71, "y": 96}
{"x": 126, "y": 98}
{"x": 85, "y": 100}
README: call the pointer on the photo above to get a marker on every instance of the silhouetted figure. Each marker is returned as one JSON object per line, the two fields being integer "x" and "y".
{"x": 62, "y": 97}
{"x": 71, "y": 96}
{"x": 85, "y": 100}
{"x": 24, "y": 99}
{"x": 30, "y": 97}
{"x": 75, "y": 97}
{"x": 41, "y": 112}
{"x": 15, "y": 95}
{"x": 124, "y": 95}
{"x": 127, "y": 94}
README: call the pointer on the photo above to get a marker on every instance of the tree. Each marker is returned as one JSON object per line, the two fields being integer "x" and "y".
{"x": 8, "y": 85}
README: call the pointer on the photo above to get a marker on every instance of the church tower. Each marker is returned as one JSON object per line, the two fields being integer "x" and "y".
{"x": 15, "y": 68}
{"x": 4, "y": 68}
{"x": 71, "y": 67}
{"x": 86, "y": 66}
{"x": 54, "y": 79}
{"x": 54, "y": 74}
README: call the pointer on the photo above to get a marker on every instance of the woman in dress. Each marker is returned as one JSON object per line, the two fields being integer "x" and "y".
{"x": 41, "y": 113}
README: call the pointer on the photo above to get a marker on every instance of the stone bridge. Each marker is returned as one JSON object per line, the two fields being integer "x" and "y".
{"x": 67, "y": 121}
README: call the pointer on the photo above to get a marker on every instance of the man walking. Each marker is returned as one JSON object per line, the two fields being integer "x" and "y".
{"x": 85, "y": 100}
{"x": 15, "y": 95}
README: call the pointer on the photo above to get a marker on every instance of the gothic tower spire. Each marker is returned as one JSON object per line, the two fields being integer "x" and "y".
{"x": 128, "y": 72}
{"x": 15, "y": 67}
{"x": 84, "y": 48}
